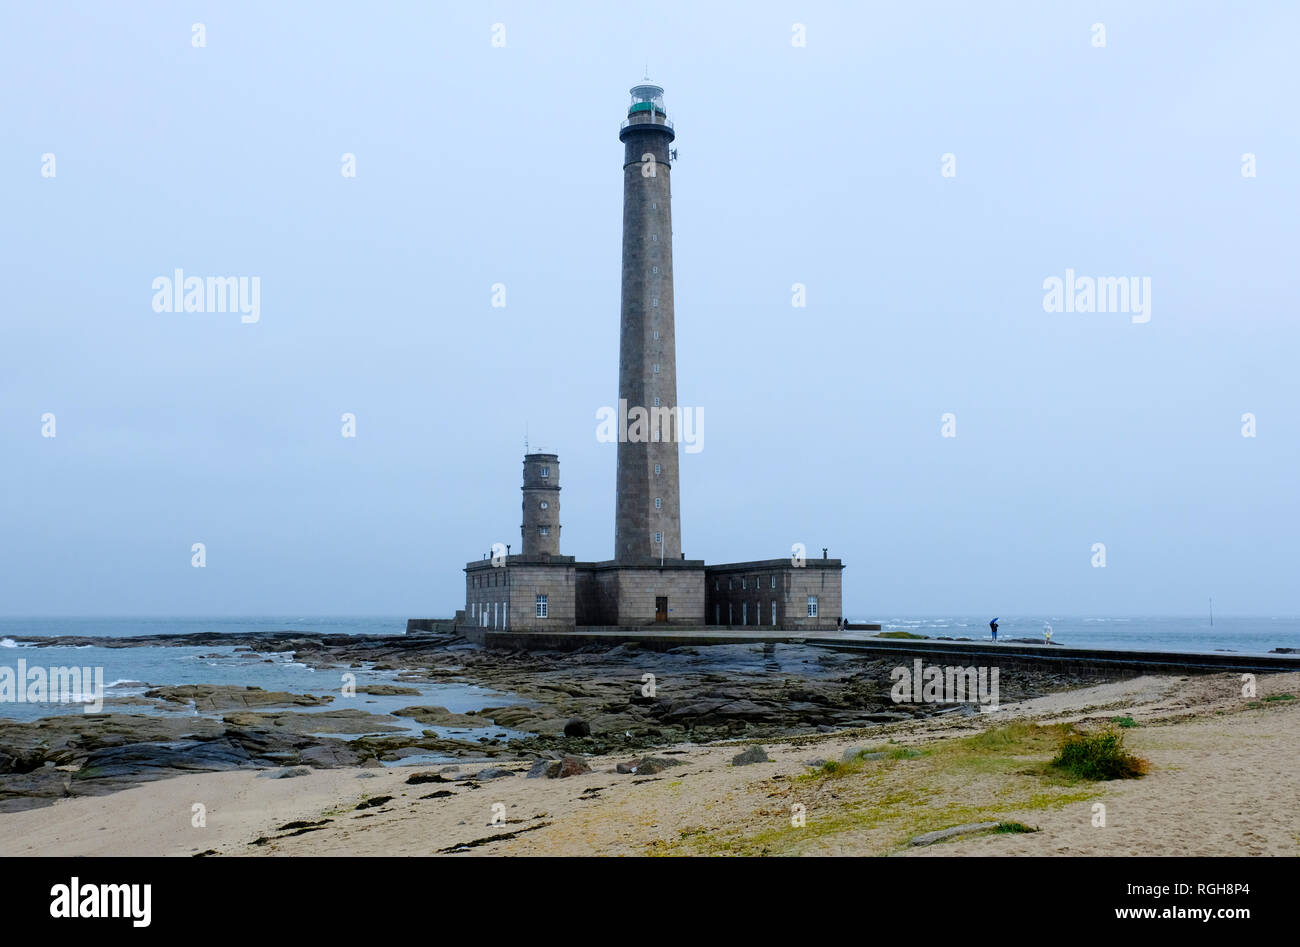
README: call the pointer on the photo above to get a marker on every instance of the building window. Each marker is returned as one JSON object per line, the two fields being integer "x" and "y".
{"x": 654, "y": 301}
{"x": 541, "y": 606}
{"x": 659, "y": 537}
{"x": 547, "y": 506}
{"x": 774, "y": 612}
{"x": 730, "y": 583}
{"x": 812, "y": 606}
{"x": 654, "y": 269}
{"x": 717, "y": 614}
{"x": 659, "y": 503}
{"x": 544, "y": 530}
{"x": 656, "y": 368}
{"x": 774, "y": 580}
{"x": 546, "y": 471}
{"x": 504, "y": 616}
{"x": 473, "y": 610}
{"x": 742, "y": 582}
{"x": 744, "y": 613}
{"x": 656, "y": 402}
{"x": 715, "y": 585}
{"x": 654, "y": 238}
{"x": 656, "y": 335}
{"x": 658, "y": 470}
{"x": 731, "y": 619}
{"x": 653, "y": 205}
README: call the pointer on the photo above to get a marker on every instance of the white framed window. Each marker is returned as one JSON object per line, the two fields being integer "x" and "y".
{"x": 545, "y": 505}
{"x": 656, "y": 368}
{"x": 812, "y": 606}
{"x": 654, "y": 302}
{"x": 659, "y": 503}
{"x": 654, "y": 238}
{"x": 473, "y": 610}
{"x": 656, "y": 331}
{"x": 774, "y": 580}
{"x": 654, "y": 269}
{"x": 658, "y": 470}
{"x": 541, "y": 606}
{"x": 654, "y": 206}
{"x": 742, "y": 582}
{"x": 744, "y": 613}
{"x": 546, "y": 471}
{"x": 773, "y": 611}
{"x": 505, "y": 616}
{"x": 544, "y": 530}
{"x": 659, "y": 537}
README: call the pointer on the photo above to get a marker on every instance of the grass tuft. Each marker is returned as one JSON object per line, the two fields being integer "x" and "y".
{"x": 1009, "y": 827}
{"x": 1098, "y": 756}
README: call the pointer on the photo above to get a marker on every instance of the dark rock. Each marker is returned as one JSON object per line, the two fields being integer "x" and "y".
{"x": 372, "y": 803}
{"x": 755, "y": 754}
{"x": 333, "y": 755}
{"x": 416, "y": 778}
{"x": 492, "y": 773}
{"x": 577, "y": 728}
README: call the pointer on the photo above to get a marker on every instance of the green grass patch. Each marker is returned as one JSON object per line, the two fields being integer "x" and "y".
{"x": 1124, "y": 722}
{"x": 899, "y": 634}
{"x": 1098, "y": 756}
{"x": 1006, "y": 828}
{"x": 1280, "y": 697}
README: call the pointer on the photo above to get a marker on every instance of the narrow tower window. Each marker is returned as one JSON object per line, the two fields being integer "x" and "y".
{"x": 547, "y": 506}
{"x": 546, "y": 471}
{"x": 658, "y": 470}
{"x": 659, "y": 503}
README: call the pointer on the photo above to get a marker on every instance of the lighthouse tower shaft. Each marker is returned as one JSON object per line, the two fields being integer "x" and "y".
{"x": 648, "y": 512}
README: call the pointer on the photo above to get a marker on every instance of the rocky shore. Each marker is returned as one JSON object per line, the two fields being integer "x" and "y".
{"x": 567, "y": 706}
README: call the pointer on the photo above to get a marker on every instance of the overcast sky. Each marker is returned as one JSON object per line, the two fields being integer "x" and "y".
{"x": 819, "y": 164}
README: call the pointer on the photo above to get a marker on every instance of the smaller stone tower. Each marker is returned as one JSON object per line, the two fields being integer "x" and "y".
{"x": 541, "y": 526}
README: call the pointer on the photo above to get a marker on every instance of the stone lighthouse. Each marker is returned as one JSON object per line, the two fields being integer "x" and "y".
{"x": 647, "y": 523}
{"x": 649, "y": 582}
{"x": 541, "y": 523}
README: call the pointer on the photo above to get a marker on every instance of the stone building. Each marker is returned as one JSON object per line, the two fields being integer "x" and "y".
{"x": 649, "y": 581}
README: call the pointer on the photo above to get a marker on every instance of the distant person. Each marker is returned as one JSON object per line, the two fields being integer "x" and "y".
{"x": 993, "y": 627}
{"x": 1047, "y": 633}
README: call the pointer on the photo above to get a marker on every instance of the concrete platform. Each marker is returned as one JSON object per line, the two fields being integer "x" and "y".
{"x": 965, "y": 653}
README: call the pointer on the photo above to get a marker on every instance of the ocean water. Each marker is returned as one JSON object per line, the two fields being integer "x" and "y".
{"x": 131, "y": 671}
{"x": 1228, "y": 633}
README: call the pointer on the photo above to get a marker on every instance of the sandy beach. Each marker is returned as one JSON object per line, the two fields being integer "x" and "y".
{"x": 1223, "y": 781}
